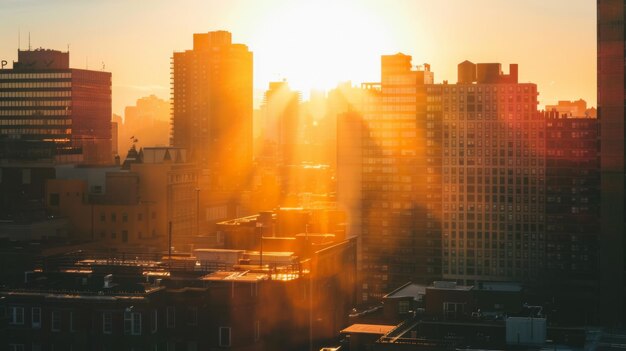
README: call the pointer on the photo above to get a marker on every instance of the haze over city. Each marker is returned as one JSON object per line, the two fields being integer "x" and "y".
{"x": 316, "y": 44}
{"x": 312, "y": 175}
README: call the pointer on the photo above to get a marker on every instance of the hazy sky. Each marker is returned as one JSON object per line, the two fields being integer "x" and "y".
{"x": 316, "y": 43}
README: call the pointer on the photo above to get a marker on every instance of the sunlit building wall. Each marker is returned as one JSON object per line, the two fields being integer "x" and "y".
{"x": 400, "y": 203}
{"x": 43, "y": 99}
{"x": 493, "y": 176}
{"x": 212, "y": 107}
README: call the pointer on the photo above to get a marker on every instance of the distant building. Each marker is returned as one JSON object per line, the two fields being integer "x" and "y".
{"x": 43, "y": 99}
{"x": 212, "y": 107}
{"x": 576, "y": 108}
{"x": 132, "y": 207}
{"x": 147, "y": 123}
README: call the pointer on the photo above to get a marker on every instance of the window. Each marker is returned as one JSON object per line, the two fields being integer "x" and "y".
{"x": 36, "y": 317}
{"x": 224, "y": 337}
{"x": 125, "y": 236}
{"x": 72, "y": 328}
{"x": 192, "y": 316}
{"x": 107, "y": 323}
{"x": 132, "y": 323}
{"x": 26, "y": 176}
{"x": 171, "y": 317}
{"x": 56, "y": 321}
{"x": 403, "y": 307}
{"x": 155, "y": 321}
{"x": 54, "y": 199}
{"x": 16, "y": 315}
{"x": 452, "y": 310}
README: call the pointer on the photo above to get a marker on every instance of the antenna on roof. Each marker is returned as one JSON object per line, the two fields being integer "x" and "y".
{"x": 28, "y": 41}
{"x": 19, "y": 41}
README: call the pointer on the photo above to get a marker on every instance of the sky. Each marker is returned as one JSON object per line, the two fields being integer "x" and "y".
{"x": 315, "y": 44}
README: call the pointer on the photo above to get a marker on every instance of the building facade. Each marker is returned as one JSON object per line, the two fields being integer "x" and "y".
{"x": 43, "y": 99}
{"x": 611, "y": 102}
{"x": 212, "y": 107}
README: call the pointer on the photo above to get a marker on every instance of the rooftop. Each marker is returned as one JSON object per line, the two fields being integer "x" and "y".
{"x": 377, "y": 329}
{"x": 240, "y": 276}
{"x": 407, "y": 290}
{"x": 446, "y": 285}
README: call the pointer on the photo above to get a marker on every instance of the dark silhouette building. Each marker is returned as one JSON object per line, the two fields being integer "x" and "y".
{"x": 611, "y": 98}
{"x": 43, "y": 99}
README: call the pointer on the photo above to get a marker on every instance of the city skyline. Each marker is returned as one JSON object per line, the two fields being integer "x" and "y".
{"x": 291, "y": 175}
{"x": 140, "y": 64}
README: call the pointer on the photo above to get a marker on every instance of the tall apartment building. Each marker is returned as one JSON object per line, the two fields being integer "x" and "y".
{"x": 281, "y": 110}
{"x": 452, "y": 177}
{"x": 399, "y": 233}
{"x": 493, "y": 175}
{"x": 572, "y": 213}
{"x": 212, "y": 107}
{"x": 611, "y": 113}
{"x": 43, "y": 99}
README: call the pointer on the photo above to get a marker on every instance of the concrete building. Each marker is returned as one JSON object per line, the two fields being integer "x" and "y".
{"x": 43, "y": 99}
{"x": 212, "y": 108}
{"x": 132, "y": 207}
{"x": 450, "y": 177}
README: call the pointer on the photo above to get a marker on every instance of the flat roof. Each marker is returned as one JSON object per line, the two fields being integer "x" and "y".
{"x": 241, "y": 276}
{"x": 408, "y": 290}
{"x": 377, "y": 329}
{"x": 219, "y": 250}
{"x": 500, "y": 286}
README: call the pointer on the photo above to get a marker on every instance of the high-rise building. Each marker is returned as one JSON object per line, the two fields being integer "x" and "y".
{"x": 492, "y": 176}
{"x": 572, "y": 215}
{"x": 212, "y": 107}
{"x": 146, "y": 123}
{"x": 393, "y": 200}
{"x": 43, "y": 99}
{"x": 281, "y": 107}
{"x": 452, "y": 177}
{"x": 611, "y": 104}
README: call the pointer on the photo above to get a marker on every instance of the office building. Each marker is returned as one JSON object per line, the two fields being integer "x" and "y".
{"x": 212, "y": 107}
{"x": 43, "y": 99}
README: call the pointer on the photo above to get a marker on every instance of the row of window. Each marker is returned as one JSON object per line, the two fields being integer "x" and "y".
{"x": 502, "y": 88}
{"x": 29, "y": 103}
{"x": 35, "y": 122}
{"x": 34, "y": 84}
{"x": 132, "y": 321}
{"x": 36, "y": 75}
{"x": 35, "y": 94}
{"x": 37, "y": 131}
{"x": 124, "y": 216}
{"x": 39, "y": 112}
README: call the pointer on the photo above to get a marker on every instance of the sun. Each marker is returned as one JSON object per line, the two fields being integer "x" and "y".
{"x": 315, "y": 45}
